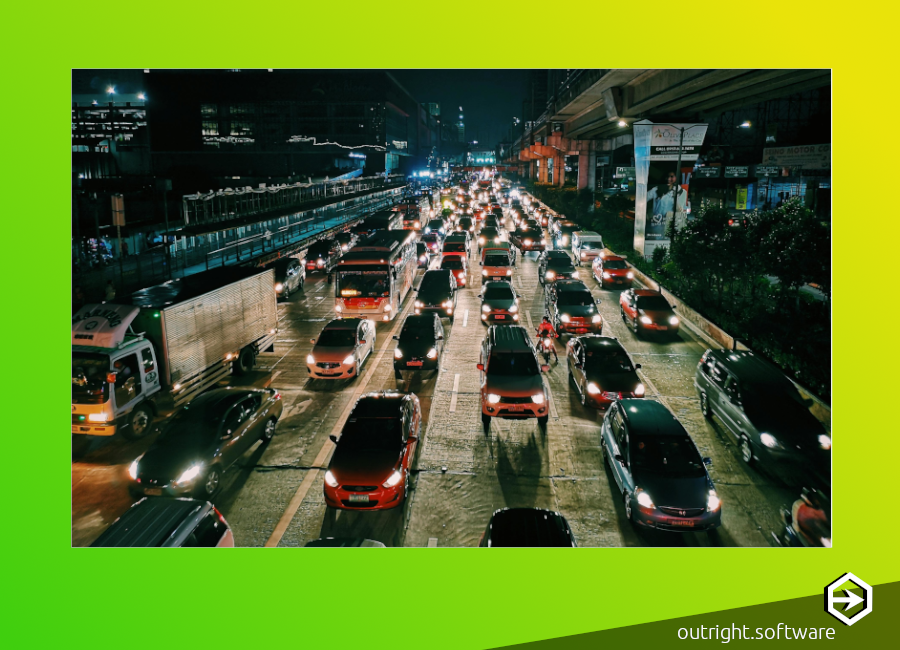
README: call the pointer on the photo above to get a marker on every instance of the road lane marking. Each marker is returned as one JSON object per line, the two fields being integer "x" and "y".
{"x": 272, "y": 378}
{"x": 455, "y": 393}
{"x": 466, "y": 318}
{"x": 328, "y": 447}
{"x": 320, "y": 287}
{"x": 432, "y": 542}
{"x": 530, "y": 324}
{"x": 550, "y": 399}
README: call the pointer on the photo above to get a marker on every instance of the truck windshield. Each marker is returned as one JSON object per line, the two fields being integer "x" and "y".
{"x": 368, "y": 284}
{"x": 89, "y": 385}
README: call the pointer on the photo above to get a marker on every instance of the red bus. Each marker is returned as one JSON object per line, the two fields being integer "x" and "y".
{"x": 373, "y": 278}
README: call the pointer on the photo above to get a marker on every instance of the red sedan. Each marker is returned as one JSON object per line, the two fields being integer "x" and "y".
{"x": 648, "y": 311}
{"x": 370, "y": 466}
{"x": 612, "y": 271}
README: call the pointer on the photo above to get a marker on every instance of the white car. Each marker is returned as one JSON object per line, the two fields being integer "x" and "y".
{"x": 341, "y": 349}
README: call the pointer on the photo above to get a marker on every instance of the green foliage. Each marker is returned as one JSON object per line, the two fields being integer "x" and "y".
{"x": 660, "y": 253}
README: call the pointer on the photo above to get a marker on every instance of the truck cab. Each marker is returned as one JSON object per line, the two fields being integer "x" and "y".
{"x": 115, "y": 373}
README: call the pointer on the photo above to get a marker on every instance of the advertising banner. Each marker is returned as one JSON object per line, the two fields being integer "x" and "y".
{"x": 708, "y": 172}
{"x": 665, "y": 139}
{"x": 740, "y": 198}
{"x": 737, "y": 172}
{"x": 809, "y": 156}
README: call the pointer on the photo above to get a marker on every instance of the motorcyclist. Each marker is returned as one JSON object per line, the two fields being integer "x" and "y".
{"x": 811, "y": 519}
{"x": 545, "y": 329}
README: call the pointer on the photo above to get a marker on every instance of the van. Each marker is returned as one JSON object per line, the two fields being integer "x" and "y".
{"x": 168, "y": 522}
{"x": 586, "y": 246}
{"x": 495, "y": 265}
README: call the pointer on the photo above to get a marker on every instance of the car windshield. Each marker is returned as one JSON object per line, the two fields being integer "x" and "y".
{"x": 560, "y": 264}
{"x": 673, "y": 456}
{"x": 435, "y": 282}
{"x": 364, "y": 284}
{"x": 574, "y": 298}
{"x": 609, "y": 360}
{"x": 498, "y": 293}
{"x": 653, "y": 303}
{"x": 337, "y": 338}
{"x": 194, "y": 424}
{"x": 511, "y": 364}
{"x": 496, "y": 260}
{"x": 417, "y": 330}
{"x": 89, "y": 385}
{"x": 454, "y": 247}
{"x": 488, "y": 232}
{"x": 615, "y": 264}
{"x": 452, "y": 263}
{"x": 361, "y": 434}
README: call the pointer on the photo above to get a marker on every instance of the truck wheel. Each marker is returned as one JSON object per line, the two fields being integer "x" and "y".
{"x": 245, "y": 361}
{"x": 140, "y": 421}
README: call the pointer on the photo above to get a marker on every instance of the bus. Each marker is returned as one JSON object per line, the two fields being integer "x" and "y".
{"x": 373, "y": 278}
{"x": 384, "y": 220}
{"x": 415, "y": 211}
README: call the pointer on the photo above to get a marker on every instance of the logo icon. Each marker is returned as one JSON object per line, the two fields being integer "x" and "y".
{"x": 838, "y": 593}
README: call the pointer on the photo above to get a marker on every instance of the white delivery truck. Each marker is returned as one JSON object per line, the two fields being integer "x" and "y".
{"x": 176, "y": 339}
{"x": 586, "y": 245}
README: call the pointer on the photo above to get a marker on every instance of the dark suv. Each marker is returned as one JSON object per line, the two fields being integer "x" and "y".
{"x": 572, "y": 308}
{"x": 765, "y": 415}
{"x": 437, "y": 293}
{"x": 165, "y": 522}
{"x": 527, "y": 527}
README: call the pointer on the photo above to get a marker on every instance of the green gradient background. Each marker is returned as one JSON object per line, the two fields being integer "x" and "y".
{"x": 434, "y": 598}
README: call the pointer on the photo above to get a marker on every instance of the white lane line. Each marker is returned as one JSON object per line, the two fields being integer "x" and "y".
{"x": 466, "y": 318}
{"x": 328, "y": 447}
{"x": 553, "y": 410}
{"x": 432, "y": 542}
{"x": 530, "y": 324}
{"x": 319, "y": 298}
{"x": 519, "y": 281}
{"x": 272, "y": 378}
{"x": 455, "y": 393}
{"x": 320, "y": 287}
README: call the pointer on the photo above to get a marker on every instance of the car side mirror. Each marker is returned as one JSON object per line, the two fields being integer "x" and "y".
{"x": 545, "y": 368}
{"x": 620, "y": 458}
{"x": 637, "y": 366}
{"x": 395, "y": 337}
{"x": 480, "y": 366}
{"x": 411, "y": 439}
{"x": 707, "y": 460}
{"x": 313, "y": 341}
{"x": 362, "y": 341}
{"x": 440, "y": 338}
{"x": 333, "y": 439}
{"x": 111, "y": 376}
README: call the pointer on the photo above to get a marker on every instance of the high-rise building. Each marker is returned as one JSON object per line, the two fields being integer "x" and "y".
{"x": 434, "y": 109}
{"x": 461, "y": 126}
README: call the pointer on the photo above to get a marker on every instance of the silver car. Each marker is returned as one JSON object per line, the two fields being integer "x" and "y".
{"x": 341, "y": 349}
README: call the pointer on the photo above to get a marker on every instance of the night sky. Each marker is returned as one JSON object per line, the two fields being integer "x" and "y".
{"x": 490, "y": 98}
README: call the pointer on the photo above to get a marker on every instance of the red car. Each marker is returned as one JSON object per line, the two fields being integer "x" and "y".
{"x": 370, "y": 466}
{"x": 612, "y": 271}
{"x": 648, "y": 311}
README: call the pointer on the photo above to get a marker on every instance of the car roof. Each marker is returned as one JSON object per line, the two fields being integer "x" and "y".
{"x": 509, "y": 338}
{"x": 611, "y": 258}
{"x": 498, "y": 284}
{"x": 529, "y": 527}
{"x": 595, "y": 342}
{"x": 749, "y": 367}
{"x": 647, "y": 417}
{"x": 646, "y": 293}
{"x": 345, "y": 323}
{"x": 420, "y": 319}
{"x": 158, "y": 521}
{"x": 382, "y": 404}
{"x": 571, "y": 285}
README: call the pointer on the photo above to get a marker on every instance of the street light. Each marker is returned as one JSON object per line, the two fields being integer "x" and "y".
{"x": 142, "y": 96}
{"x": 623, "y": 124}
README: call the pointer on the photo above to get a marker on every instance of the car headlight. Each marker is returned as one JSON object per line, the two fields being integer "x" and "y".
{"x": 485, "y": 308}
{"x": 538, "y": 398}
{"x": 639, "y": 390}
{"x": 461, "y": 275}
{"x": 419, "y": 303}
{"x": 423, "y": 258}
{"x": 393, "y": 479}
{"x": 481, "y": 240}
{"x": 320, "y": 262}
{"x": 513, "y": 309}
{"x": 629, "y": 275}
{"x": 190, "y": 473}
{"x": 643, "y": 499}
{"x": 447, "y": 303}
{"x": 606, "y": 275}
{"x": 133, "y": 468}
{"x": 673, "y": 320}
{"x": 484, "y": 272}
{"x": 493, "y": 398}
{"x": 279, "y": 287}
{"x": 824, "y": 442}
{"x": 350, "y": 359}
{"x": 713, "y": 502}
{"x": 432, "y": 353}
{"x": 593, "y": 389}
{"x": 565, "y": 240}
{"x": 508, "y": 271}
{"x": 646, "y": 320}
{"x": 565, "y": 318}
{"x": 596, "y": 318}
{"x": 338, "y": 308}
{"x": 330, "y": 480}
{"x": 98, "y": 417}
{"x": 528, "y": 242}
{"x": 550, "y": 275}
{"x": 398, "y": 354}
{"x": 769, "y": 440}
{"x": 388, "y": 307}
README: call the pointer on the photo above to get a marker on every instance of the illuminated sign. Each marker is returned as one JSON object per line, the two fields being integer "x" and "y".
{"x": 353, "y": 154}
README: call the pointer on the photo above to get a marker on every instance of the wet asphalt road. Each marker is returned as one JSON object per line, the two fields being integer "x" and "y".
{"x": 273, "y": 495}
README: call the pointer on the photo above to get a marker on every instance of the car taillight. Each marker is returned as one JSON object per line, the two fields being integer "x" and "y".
{"x": 219, "y": 515}
{"x": 276, "y": 396}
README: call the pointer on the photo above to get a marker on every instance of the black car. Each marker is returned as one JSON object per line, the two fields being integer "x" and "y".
{"x": 557, "y": 266}
{"x": 499, "y": 303}
{"x": 562, "y": 236}
{"x": 423, "y": 255}
{"x": 437, "y": 293}
{"x": 465, "y": 224}
{"x": 527, "y": 527}
{"x": 346, "y": 240}
{"x": 657, "y": 468}
{"x": 168, "y": 523}
{"x": 488, "y": 235}
{"x": 319, "y": 256}
{"x": 203, "y": 439}
{"x": 601, "y": 370}
{"x": 527, "y": 239}
{"x": 572, "y": 308}
{"x": 420, "y": 344}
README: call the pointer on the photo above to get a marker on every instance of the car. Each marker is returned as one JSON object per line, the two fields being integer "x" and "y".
{"x": 203, "y": 439}
{"x": 527, "y": 240}
{"x": 601, "y": 370}
{"x": 612, "y": 270}
{"x": 499, "y": 302}
{"x": 423, "y": 255}
{"x": 459, "y": 265}
{"x": 586, "y": 246}
{"x": 657, "y": 468}
{"x": 464, "y": 237}
{"x": 572, "y": 308}
{"x": 420, "y": 343}
{"x": 162, "y": 522}
{"x": 455, "y": 247}
{"x": 346, "y": 240}
{"x": 290, "y": 276}
{"x": 765, "y": 415}
{"x": 437, "y": 293}
{"x": 527, "y": 527}
{"x": 343, "y": 542}
{"x": 433, "y": 241}
{"x": 511, "y": 382}
{"x": 341, "y": 349}
{"x": 489, "y": 235}
{"x": 562, "y": 235}
{"x": 495, "y": 265}
{"x": 465, "y": 224}
{"x": 648, "y": 311}
{"x": 369, "y": 469}
{"x": 434, "y": 226}
{"x": 319, "y": 256}
{"x": 492, "y": 222}
{"x": 556, "y": 265}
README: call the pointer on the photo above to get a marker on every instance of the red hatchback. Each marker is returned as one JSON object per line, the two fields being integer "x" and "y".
{"x": 612, "y": 271}
{"x": 648, "y": 311}
{"x": 370, "y": 466}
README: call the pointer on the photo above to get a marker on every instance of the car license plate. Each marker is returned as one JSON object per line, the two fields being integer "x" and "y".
{"x": 153, "y": 492}
{"x": 414, "y": 363}
{"x": 499, "y": 316}
{"x": 682, "y": 522}
{"x": 517, "y": 407}
{"x": 359, "y": 498}
{"x": 661, "y": 327}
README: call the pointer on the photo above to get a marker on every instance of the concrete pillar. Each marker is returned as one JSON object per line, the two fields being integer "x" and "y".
{"x": 542, "y": 170}
{"x": 587, "y": 170}
{"x": 559, "y": 170}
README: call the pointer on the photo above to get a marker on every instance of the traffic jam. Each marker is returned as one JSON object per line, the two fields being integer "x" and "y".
{"x": 468, "y": 368}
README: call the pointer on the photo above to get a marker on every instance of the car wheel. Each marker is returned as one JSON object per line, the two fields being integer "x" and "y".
{"x": 141, "y": 419}
{"x": 746, "y": 450}
{"x": 704, "y": 405}
{"x": 486, "y": 421}
{"x": 211, "y": 483}
{"x": 269, "y": 431}
{"x": 629, "y": 513}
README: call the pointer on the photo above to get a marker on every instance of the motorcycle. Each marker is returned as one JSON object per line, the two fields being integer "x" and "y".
{"x": 546, "y": 346}
{"x": 793, "y": 535}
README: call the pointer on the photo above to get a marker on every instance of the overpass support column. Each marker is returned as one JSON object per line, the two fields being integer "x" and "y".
{"x": 559, "y": 170}
{"x": 542, "y": 170}
{"x": 587, "y": 170}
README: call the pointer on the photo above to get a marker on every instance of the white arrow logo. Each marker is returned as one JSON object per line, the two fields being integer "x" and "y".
{"x": 851, "y": 599}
